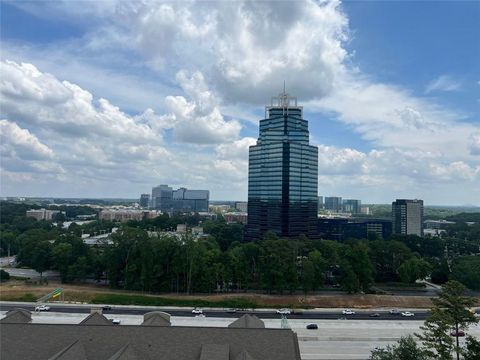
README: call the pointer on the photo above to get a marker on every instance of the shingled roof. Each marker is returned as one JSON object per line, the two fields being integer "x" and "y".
{"x": 95, "y": 318}
{"x": 156, "y": 318}
{"x": 74, "y": 351}
{"x": 100, "y": 342}
{"x": 18, "y": 316}
{"x": 248, "y": 321}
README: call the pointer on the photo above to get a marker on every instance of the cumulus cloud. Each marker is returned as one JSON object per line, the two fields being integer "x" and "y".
{"x": 200, "y": 119}
{"x": 443, "y": 83}
{"x": 22, "y": 142}
{"x": 33, "y": 98}
{"x": 217, "y": 58}
{"x": 247, "y": 48}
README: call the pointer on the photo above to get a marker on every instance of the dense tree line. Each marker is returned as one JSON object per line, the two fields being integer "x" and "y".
{"x": 223, "y": 262}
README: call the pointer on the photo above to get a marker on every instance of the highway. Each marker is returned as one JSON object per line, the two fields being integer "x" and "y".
{"x": 329, "y": 314}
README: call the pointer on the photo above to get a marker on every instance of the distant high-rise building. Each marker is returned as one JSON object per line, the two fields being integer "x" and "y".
{"x": 167, "y": 200}
{"x": 241, "y": 206}
{"x": 352, "y": 206}
{"x": 320, "y": 202}
{"x": 282, "y": 174}
{"x": 407, "y": 217}
{"x": 333, "y": 203}
{"x": 144, "y": 200}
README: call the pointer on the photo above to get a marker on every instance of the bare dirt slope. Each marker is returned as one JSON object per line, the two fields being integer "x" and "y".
{"x": 15, "y": 290}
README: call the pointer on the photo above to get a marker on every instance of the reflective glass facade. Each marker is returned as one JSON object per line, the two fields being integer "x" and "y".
{"x": 283, "y": 176}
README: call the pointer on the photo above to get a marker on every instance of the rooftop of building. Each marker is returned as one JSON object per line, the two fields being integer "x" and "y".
{"x": 97, "y": 338}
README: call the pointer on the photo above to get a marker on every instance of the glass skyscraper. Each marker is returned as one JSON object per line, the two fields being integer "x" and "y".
{"x": 282, "y": 174}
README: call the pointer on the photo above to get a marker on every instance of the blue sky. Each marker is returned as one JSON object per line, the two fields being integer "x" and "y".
{"x": 391, "y": 90}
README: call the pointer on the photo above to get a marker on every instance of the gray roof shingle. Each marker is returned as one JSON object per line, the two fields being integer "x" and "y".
{"x": 215, "y": 352}
{"x": 248, "y": 321}
{"x": 95, "y": 319}
{"x": 18, "y": 316}
{"x": 74, "y": 351}
{"x": 42, "y": 341}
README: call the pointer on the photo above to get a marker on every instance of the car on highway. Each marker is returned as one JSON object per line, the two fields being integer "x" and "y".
{"x": 106, "y": 307}
{"x": 116, "y": 321}
{"x": 284, "y": 311}
{"x": 231, "y": 311}
{"x": 394, "y": 312}
{"x": 378, "y": 349}
{"x": 408, "y": 314}
{"x": 460, "y": 333}
{"x": 348, "y": 312}
{"x": 312, "y": 326}
{"x": 42, "y": 308}
{"x": 197, "y": 311}
{"x": 375, "y": 315}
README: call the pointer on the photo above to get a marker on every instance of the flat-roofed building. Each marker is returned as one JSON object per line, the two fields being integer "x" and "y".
{"x": 407, "y": 217}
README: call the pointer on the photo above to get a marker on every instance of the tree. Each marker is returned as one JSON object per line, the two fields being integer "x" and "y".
{"x": 472, "y": 349}
{"x": 466, "y": 270}
{"x": 359, "y": 262}
{"x": 405, "y": 349}
{"x": 4, "y": 276}
{"x": 450, "y": 311}
{"x": 308, "y": 276}
{"x": 413, "y": 269}
{"x": 41, "y": 257}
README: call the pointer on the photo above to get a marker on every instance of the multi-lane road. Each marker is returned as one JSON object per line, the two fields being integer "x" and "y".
{"x": 330, "y": 314}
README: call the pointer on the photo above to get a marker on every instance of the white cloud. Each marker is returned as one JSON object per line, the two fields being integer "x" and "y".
{"x": 22, "y": 142}
{"x": 199, "y": 120}
{"x": 215, "y": 58}
{"x": 443, "y": 83}
{"x": 474, "y": 143}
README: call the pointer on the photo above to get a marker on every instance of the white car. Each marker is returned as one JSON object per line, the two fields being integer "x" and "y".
{"x": 197, "y": 311}
{"x": 42, "y": 308}
{"x": 348, "y": 312}
{"x": 407, "y": 314}
{"x": 283, "y": 311}
{"x": 116, "y": 321}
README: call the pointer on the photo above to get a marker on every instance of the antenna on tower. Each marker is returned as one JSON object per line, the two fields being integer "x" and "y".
{"x": 284, "y": 88}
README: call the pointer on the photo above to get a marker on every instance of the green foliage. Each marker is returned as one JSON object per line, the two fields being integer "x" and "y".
{"x": 413, "y": 269}
{"x": 120, "y": 299}
{"x": 466, "y": 270}
{"x": 472, "y": 349}
{"x": 450, "y": 311}
{"x": 4, "y": 276}
{"x": 405, "y": 349}
{"x": 465, "y": 217}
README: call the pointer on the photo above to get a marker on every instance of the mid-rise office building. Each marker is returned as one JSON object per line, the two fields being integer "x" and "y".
{"x": 145, "y": 200}
{"x": 241, "y": 206}
{"x": 167, "y": 200}
{"x": 320, "y": 202}
{"x": 341, "y": 229}
{"x": 42, "y": 214}
{"x": 333, "y": 203}
{"x": 407, "y": 217}
{"x": 282, "y": 174}
{"x": 352, "y": 206}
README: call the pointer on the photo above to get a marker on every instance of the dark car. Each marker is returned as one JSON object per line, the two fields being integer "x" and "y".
{"x": 460, "y": 333}
{"x": 375, "y": 315}
{"x": 106, "y": 307}
{"x": 312, "y": 326}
